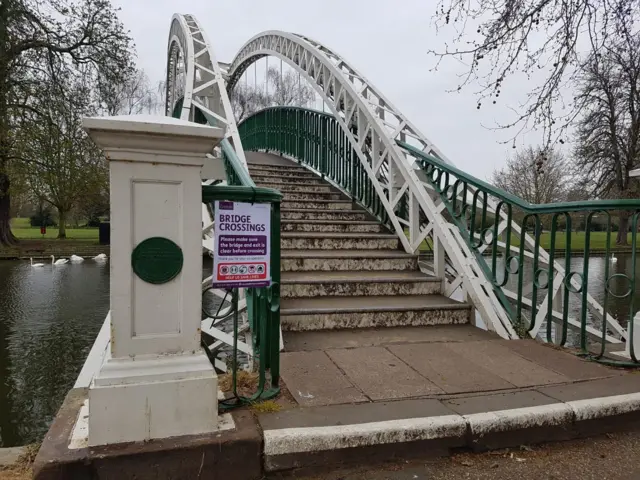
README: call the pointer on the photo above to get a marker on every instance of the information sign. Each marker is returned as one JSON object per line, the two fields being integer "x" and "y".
{"x": 242, "y": 245}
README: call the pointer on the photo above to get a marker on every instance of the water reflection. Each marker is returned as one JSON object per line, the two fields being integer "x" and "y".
{"x": 49, "y": 318}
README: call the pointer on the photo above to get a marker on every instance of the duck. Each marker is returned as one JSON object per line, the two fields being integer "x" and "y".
{"x": 59, "y": 262}
{"x": 36, "y": 265}
{"x": 100, "y": 258}
{"x": 76, "y": 259}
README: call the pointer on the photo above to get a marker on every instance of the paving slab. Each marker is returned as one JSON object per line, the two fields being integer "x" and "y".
{"x": 450, "y": 371}
{"x": 562, "y": 362}
{"x": 497, "y": 401}
{"x": 353, "y": 414}
{"x": 506, "y": 364}
{"x": 372, "y": 337}
{"x": 380, "y": 374}
{"x": 313, "y": 379}
{"x": 618, "y": 385}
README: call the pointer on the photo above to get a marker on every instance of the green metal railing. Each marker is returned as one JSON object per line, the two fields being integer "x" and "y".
{"x": 263, "y": 304}
{"x": 539, "y": 265}
{"x": 314, "y": 139}
{"x": 571, "y": 232}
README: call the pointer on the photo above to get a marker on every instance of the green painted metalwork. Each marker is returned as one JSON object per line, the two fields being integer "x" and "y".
{"x": 157, "y": 260}
{"x": 263, "y": 304}
{"x": 493, "y": 223}
{"x": 556, "y": 221}
{"x": 314, "y": 139}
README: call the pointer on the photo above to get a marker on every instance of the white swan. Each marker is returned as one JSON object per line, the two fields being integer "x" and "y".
{"x": 76, "y": 259}
{"x": 613, "y": 258}
{"x": 36, "y": 265}
{"x": 62, "y": 261}
{"x": 100, "y": 258}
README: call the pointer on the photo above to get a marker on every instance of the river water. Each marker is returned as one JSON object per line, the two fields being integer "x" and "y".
{"x": 49, "y": 318}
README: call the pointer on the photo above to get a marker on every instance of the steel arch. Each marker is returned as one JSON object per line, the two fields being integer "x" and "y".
{"x": 192, "y": 58}
{"x": 359, "y": 107}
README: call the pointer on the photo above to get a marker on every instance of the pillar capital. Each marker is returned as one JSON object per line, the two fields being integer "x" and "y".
{"x": 149, "y": 138}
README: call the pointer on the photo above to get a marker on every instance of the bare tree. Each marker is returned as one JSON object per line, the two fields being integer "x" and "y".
{"x": 288, "y": 89}
{"x": 536, "y": 38}
{"x": 535, "y": 176}
{"x": 608, "y": 132}
{"x": 40, "y": 42}
{"x": 135, "y": 95}
{"x": 247, "y": 100}
{"x": 59, "y": 162}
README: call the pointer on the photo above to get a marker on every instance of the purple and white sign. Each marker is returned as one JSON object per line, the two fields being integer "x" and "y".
{"x": 242, "y": 245}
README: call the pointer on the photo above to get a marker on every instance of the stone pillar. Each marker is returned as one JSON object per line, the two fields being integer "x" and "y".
{"x": 156, "y": 381}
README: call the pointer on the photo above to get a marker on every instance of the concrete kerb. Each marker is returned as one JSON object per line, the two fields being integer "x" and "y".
{"x": 286, "y": 448}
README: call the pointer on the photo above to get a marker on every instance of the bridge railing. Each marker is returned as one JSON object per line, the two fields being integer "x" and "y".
{"x": 539, "y": 260}
{"x": 261, "y": 305}
{"x": 553, "y": 286}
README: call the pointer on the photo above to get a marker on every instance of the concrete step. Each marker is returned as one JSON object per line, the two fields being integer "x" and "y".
{"x": 283, "y": 173}
{"x": 320, "y": 187}
{"x": 337, "y": 241}
{"x": 346, "y": 260}
{"x": 332, "y": 226}
{"x": 330, "y": 313}
{"x": 318, "y": 204}
{"x": 323, "y": 214}
{"x": 263, "y": 167}
{"x": 293, "y": 180}
{"x": 357, "y": 283}
{"x": 312, "y": 196}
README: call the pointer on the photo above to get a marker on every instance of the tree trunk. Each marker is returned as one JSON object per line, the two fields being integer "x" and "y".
{"x": 623, "y": 228}
{"x": 6, "y": 237}
{"x": 62, "y": 221}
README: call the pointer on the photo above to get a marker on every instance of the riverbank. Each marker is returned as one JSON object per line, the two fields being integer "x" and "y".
{"x": 43, "y": 249}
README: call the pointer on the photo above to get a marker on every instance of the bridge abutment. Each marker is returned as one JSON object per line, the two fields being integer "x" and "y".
{"x": 155, "y": 382}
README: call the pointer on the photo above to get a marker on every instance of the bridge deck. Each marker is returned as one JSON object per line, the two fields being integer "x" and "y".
{"x": 330, "y": 368}
{"x": 371, "y": 395}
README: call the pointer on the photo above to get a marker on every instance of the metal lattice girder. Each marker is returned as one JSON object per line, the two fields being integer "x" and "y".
{"x": 195, "y": 80}
{"x": 372, "y": 126}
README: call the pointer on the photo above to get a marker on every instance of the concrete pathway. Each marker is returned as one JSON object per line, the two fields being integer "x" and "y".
{"x": 358, "y": 397}
{"x": 332, "y": 368}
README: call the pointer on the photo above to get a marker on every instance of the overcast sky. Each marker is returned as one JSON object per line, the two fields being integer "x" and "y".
{"x": 387, "y": 41}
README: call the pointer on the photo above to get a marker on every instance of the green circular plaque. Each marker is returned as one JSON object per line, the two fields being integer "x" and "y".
{"x": 157, "y": 260}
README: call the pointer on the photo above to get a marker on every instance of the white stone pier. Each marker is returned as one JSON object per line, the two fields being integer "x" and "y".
{"x": 156, "y": 381}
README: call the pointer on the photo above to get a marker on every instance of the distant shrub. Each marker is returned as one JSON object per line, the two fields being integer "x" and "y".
{"x": 43, "y": 217}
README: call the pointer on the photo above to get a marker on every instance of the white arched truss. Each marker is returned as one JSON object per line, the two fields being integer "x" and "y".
{"x": 356, "y": 103}
{"x": 372, "y": 126}
{"x": 195, "y": 78}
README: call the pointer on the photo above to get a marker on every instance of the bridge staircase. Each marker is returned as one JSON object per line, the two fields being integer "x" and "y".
{"x": 341, "y": 268}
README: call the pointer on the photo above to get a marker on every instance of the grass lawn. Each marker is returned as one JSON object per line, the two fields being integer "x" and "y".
{"x": 22, "y": 230}
{"x": 598, "y": 241}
